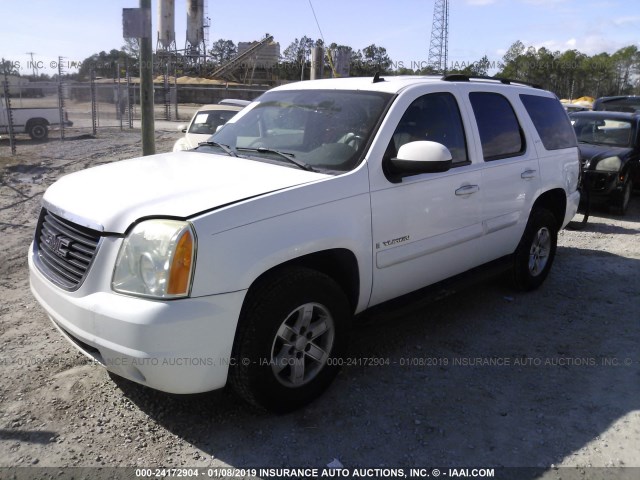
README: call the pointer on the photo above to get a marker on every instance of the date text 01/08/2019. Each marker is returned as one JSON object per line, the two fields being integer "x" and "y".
{"x": 373, "y": 473}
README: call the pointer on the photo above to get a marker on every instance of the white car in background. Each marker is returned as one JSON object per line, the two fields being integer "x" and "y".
{"x": 205, "y": 122}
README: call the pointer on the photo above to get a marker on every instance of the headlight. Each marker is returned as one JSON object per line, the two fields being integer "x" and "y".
{"x": 180, "y": 145}
{"x": 156, "y": 260}
{"x": 609, "y": 164}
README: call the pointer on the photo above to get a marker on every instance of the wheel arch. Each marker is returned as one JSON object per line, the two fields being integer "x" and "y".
{"x": 340, "y": 264}
{"x": 555, "y": 201}
{"x": 36, "y": 121}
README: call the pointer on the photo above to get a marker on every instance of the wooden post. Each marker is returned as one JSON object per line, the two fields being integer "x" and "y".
{"x": 146, "y": 86}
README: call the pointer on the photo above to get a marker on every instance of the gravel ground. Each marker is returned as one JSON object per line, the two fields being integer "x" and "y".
{"x": 482, "y": 377}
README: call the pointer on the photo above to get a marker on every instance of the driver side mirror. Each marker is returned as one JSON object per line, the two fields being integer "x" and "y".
{"x": 182, "y": 127}
{"x": 421, "y": 157}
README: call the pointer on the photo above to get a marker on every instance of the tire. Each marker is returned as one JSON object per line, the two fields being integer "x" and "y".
{"x": 38, "y": 130}
{"x": 622, "y": 202}
{"x": 535, "y": 253}
{"x": 293, "y": 324}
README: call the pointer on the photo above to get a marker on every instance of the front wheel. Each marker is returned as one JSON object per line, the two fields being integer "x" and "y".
{"x": 293, "y": 329}
{"x": 535, "y": 253}
{"x": 622, "y": 202}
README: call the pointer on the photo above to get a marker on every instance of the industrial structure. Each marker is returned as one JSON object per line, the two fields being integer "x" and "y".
{"x": 258, "y": 55}
{"x": 439, "y": 45}
{"x": 262, "y": 54}
{"x": 166, "y": 27}
{"x": 195, "y": 46}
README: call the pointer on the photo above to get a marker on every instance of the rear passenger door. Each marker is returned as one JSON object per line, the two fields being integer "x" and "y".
{"x": 510, "y": 173}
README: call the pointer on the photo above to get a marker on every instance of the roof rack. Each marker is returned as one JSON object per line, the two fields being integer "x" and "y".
{"x": 457, "y": 77}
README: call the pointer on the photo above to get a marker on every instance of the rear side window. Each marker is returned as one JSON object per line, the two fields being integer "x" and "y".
{"x": 500, "y": 132}
{"x": 550, "y": 121}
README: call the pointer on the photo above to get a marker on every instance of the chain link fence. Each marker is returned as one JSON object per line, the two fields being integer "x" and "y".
{"x": 74, "y": 108}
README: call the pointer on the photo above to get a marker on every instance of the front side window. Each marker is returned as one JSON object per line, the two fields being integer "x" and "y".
{"x": 325, "y": 130}
{"x": 550, "y": 120}
{"x": 500, "y": 132}
{"x": 434, "y": 117}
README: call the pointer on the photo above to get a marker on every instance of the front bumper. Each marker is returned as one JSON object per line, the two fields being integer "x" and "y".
{"x": 602, "y": 185}
{"x": 179, "y": 346}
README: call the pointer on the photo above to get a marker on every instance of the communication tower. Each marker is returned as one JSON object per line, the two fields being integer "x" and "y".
{"x": 439, "y": 46}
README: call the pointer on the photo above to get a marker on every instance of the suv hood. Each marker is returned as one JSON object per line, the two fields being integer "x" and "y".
{"x": 594, "y": 153}
{"x": 111, "y": 197}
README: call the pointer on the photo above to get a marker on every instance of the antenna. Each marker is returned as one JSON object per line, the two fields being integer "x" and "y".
{"x": 439, "y": 46}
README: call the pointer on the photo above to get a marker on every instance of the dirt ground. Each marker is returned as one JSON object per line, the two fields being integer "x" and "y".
{"x": 483, "y": 377}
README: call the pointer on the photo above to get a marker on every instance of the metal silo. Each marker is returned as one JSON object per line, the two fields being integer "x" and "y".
{"x": 195, "y": 21}
{"x": 166, "y": 23}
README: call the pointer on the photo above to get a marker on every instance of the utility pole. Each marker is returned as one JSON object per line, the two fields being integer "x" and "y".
{"x": 33, "y": 66}
{"x": 146, "y": 84}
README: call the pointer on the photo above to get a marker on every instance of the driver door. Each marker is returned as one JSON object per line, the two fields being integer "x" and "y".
{"x": 425, "y": 226}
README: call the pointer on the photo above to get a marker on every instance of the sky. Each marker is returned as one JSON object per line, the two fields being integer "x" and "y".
{"x": 76, "y": 29}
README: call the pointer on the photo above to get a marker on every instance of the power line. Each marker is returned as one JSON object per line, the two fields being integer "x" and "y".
{"x": 326, "y": 47}
{"x": 317, "y": 23}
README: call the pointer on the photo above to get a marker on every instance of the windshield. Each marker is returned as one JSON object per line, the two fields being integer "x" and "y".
{"x": 206, "y": 122}
{"x": 603, "y": 131}
{"x": 321, "y": 129}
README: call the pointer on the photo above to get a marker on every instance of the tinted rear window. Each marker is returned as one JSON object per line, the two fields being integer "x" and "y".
{"x": 500, "y": 132}
{"x": 550, "y": 121}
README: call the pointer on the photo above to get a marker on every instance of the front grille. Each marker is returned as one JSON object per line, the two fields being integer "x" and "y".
{"x": 65, "y": 250}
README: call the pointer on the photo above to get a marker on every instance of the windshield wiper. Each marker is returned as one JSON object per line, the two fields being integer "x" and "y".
{"x": 226, "y": 148}
{"x": 290, "y": 157}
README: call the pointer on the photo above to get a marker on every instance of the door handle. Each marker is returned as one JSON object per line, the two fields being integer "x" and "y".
{"x": 528, "y": 174}
{"x": 467, "y": 190}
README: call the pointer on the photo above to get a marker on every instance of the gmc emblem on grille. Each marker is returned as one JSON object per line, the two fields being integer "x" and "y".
{"x": 58, "y": 244}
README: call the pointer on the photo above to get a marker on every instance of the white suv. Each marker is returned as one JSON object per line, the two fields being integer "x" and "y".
{"x": 247, "y": 258}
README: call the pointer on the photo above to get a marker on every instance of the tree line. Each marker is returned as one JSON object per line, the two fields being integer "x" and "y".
{"x": 572, "y": 74}
{"x": 569, "y": 74}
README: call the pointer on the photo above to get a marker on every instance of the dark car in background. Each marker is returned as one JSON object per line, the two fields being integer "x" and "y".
{"x": 609, "y": 145}
{"x": 620, "y": 103}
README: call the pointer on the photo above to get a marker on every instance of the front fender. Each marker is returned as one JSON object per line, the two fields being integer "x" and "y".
{"x": 331, "y": 214}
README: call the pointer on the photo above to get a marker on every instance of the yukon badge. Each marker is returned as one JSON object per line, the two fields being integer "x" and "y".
{"x": 388, "y": 243}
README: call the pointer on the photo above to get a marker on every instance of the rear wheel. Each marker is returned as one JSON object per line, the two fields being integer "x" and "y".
{"x": 293, "y": 327}
{"x": 38, "y": 130}
{"x": 535, "y": 253}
